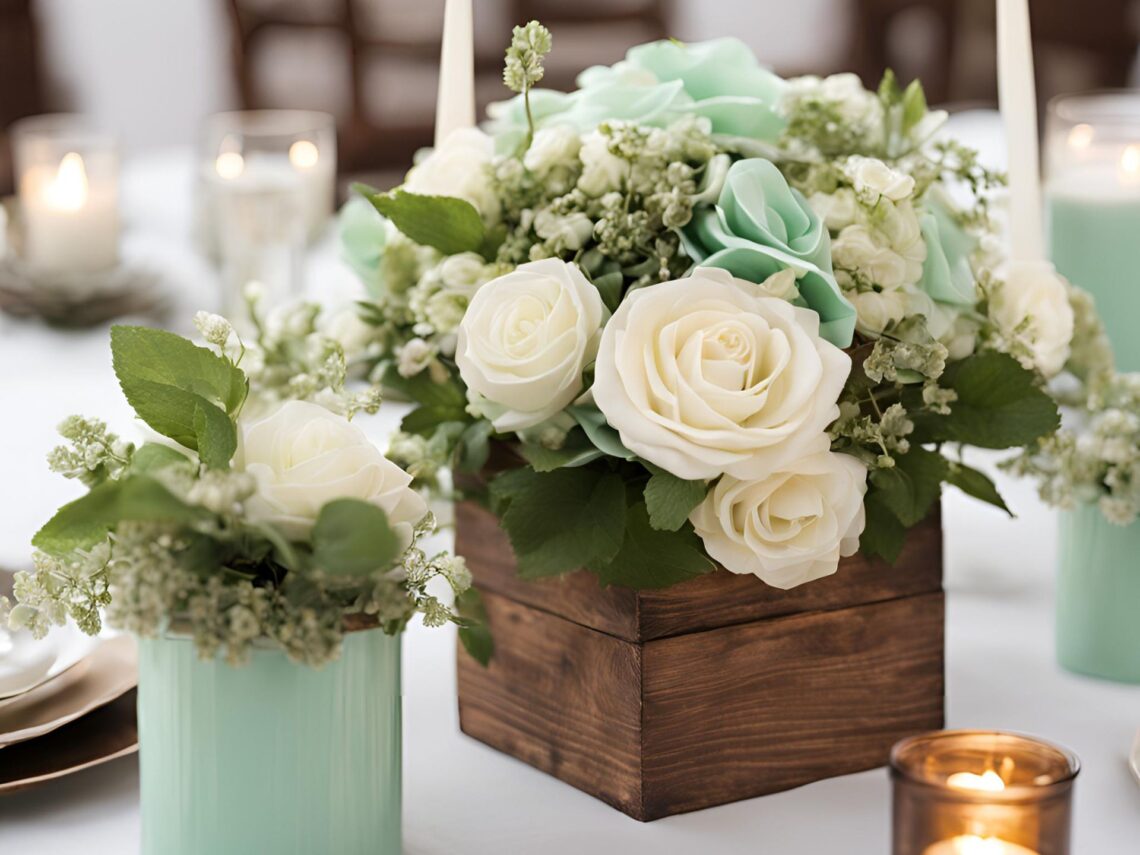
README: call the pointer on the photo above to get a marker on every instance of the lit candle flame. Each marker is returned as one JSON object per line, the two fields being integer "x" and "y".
{"x": 1130, "y": 163}
{"x": 989, "y": 781}
{"x": 1081, "y": 136}
{"x": 67, "y": 191}
{"x": 303, "y": 154}
{"x": 230, "y": 164}
{"x": 972, "y": 844}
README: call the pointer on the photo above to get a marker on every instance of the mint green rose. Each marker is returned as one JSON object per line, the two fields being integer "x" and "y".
{"x": 946, "y": 274}
{"x": 656, "y": 84}
{"x": 386, "y": 261}
{"x": 760, "y": 226}
{"x": 362, "y": 232}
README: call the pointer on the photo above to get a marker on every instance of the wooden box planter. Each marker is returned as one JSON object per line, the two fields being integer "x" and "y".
{"x": 715, "y": 690}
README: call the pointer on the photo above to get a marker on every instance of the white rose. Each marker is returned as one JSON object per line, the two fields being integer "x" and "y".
{"x": 1031, "y": 306}
{"x": 525, "y": 339}
{"x": 602, "y": 171}
{"x": 876, "y": 310}
{"x": 570, "y": 231}
{"x": 790, "y": 527}
{"x": 708, "y": 374}
{"x": 463, "y": 272}
{"x": 874, "y": 178}
{"x": 415, "y": 355}
{"x": 304, "y": 456}
{"x": 552, "y": 147}
{"x": 460, "y": 167}
{"x": 837, "y": 210}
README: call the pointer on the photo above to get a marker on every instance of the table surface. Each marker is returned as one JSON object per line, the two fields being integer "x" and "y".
{"x": 462, "y": 797}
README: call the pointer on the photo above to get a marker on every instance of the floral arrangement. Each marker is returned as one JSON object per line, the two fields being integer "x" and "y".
{"x": 1095, "y": 457}
{"x": 255, "y": 514}
{"x": 705, "y": 315}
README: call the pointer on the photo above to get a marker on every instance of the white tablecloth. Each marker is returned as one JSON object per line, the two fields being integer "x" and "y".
{"x": 462, "y": 797}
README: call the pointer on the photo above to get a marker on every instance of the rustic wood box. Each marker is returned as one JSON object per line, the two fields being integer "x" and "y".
{"x": 715, "y": 690}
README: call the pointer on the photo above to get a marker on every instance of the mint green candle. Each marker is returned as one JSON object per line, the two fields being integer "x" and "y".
{"x": 1098, "y": 596}
{"x": 1094, "y": 242}
{"x": 270, "y": 757}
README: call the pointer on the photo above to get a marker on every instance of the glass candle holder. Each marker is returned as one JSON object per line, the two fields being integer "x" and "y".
{"x": 973, "y": 792}
{"x": 1092, "y": 190}
{"x": 68, "y": 183}
{"x": 259, "y": 148}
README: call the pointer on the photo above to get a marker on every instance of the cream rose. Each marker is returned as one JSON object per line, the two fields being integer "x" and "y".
{"x": 876, "y": 310}
{"x": 304, "y": 456}
{"x": 873, "y": 178}
{"x": 837, "y": 210}
{"x": 790, "y": 527}
{"x": 524, "y": 341}
{"x": 1031, "y": 307}
{"x": 552, "y": 147}
{"x": 708, "y": 374}
{"x": 460, "y": 167}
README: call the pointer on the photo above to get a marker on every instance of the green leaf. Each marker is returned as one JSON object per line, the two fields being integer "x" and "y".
{"x": 424, "y": 420}
{"x": 670, "y": 499}
{"x": 507, "y": 485}
{"x": 976, "y": 484}
{"x": 153, "y": 456}
{"x": 474, "y": 631}
{"x": 563, "y": 520}
{"x": 577, "y": 450}
{"x": 474, "y": 446}
{"x": 168, "y": 359}
{"x": 604, "y": 437}
{"x": 883, "y": 534}
{"x": 352, "y": 538}
{"x": 445, "y": 223}
{"x": 182, "y": 391}
{"x": 889, "y": 92}
{"x": 86, "y": 521}
{"x": 913, "y": 485}
{"x": 492, "y": 240}
{"x": 650, "y": 558}
{"x": 609, "y": 287}
{"x": 214, "y": 435}
{"x": 999, "y": 405}
{"x": 425, "y": 391}
{"x": 914, "y": 105}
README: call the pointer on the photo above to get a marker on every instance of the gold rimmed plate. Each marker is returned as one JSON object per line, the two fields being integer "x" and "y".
{"x": 106, "y": 734}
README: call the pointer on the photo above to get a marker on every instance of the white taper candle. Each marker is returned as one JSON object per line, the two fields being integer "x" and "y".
{"x": 1018, "y": 97}
{"x": 455, "y": 105}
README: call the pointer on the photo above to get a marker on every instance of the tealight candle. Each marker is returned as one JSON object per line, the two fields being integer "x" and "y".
{"x": 260, "y": 150}
{"x": 981, "y": 793}
{"x": 68, "y": 193}
{"x": 1093, "y": 206}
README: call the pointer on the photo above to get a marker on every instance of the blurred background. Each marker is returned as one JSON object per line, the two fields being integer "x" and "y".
{"x": 152, "y": 71}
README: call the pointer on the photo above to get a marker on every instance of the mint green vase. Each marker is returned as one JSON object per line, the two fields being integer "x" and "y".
{"x": 1098, "y": 596}
{"x": 270, "y": 757}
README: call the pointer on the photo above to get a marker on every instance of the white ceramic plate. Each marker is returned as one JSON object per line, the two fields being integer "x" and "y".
{"x": 26, "y": 662}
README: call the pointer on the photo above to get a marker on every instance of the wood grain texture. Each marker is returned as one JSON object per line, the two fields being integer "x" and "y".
{"x": 717, "y": 599}
{"x": 561, "y": 697}
{"x": 678, "y": 724}
{"x": 718, "y": 689}
{"x": 761, "y": 707}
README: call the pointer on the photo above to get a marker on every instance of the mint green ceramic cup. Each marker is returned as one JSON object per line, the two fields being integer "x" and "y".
{"x": 271, "y": 756}
{"x": 1098, "y": 596}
